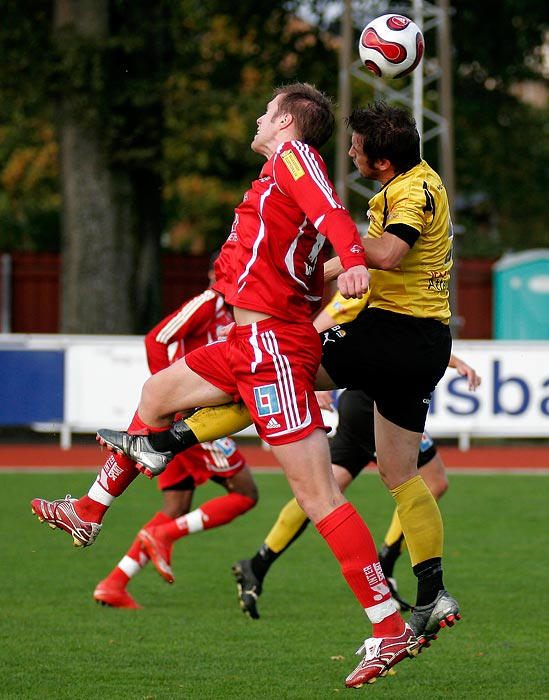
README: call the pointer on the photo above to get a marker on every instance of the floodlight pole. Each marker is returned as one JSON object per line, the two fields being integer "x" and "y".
{"x": 446, "y": 145}
{"x": 417, "y": 78}
{"x": 344, "y": 88}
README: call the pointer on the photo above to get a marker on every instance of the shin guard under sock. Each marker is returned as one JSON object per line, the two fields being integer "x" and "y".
{"x": 351, "y": 542}
{"x": 420, "y": 520}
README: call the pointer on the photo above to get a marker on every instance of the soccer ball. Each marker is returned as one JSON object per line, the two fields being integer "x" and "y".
{"x": 391, "y": 46}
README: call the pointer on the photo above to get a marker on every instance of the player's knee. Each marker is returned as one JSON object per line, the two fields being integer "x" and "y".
{"x": 243, "y": 484}
{"x": 249, "y": 491}
{"x": 440, "y": 487}
{"x": 149, "y": 396}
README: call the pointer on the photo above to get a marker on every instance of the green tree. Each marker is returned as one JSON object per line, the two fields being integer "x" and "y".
{"x": 122, "y": 123}
{"x": 154, "y": 105}
{"x": 502, "y": 144}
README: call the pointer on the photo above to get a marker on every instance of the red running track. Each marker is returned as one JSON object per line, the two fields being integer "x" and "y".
{"x": 91, "y": 456}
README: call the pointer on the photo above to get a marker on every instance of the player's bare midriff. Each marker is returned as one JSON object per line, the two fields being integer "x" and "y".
{"x": 244, "y": 317}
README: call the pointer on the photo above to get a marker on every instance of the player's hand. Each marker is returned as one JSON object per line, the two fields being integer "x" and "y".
{"x": 353, "y": 283}
{"x": 473, "y": 379}
{"x": 325, "y": 399}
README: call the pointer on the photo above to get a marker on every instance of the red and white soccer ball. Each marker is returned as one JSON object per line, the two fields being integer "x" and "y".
{"x": 391, "y": 46}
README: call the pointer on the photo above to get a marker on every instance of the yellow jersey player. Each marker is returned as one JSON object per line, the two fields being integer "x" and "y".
{"x": 352, "y": 448}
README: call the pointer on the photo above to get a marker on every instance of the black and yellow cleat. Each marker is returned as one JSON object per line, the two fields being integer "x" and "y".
{"x": 249, "y": 587}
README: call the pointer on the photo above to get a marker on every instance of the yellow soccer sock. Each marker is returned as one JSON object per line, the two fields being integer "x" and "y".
{"x": 420, "y": 518}
{"x": 394, "y": 533}
{"x": 289, "y": 524}
{"x": 216, "y": 422}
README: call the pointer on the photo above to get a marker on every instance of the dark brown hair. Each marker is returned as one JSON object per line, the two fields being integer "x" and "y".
{"x": 387, "y": 132}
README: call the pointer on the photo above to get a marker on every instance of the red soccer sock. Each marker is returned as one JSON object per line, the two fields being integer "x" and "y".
{"x": 118, "y": 472}
{"x": 351, "y": 542}
{"x": 118, "y": 578}
{"x": 138, "y": 427}
{"x": 115, "y": 476}
{"x": 159, "y": 518}
{"x": 218, "y": 511}
{"x": 123, "y": 572}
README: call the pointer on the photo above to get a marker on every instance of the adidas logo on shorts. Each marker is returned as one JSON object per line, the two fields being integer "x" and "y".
{"x": 272, "y": 424}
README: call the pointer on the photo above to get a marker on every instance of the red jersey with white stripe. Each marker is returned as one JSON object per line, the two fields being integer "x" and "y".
{"x": 194, "y": 324}
{"x": 272, "y": 261}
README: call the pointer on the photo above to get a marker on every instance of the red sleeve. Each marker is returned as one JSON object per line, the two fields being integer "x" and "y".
{"x": 301, "y": 173}
{"x": 191, "y": 321}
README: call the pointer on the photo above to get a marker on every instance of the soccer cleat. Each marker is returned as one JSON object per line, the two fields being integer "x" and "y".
{"x": 426, "y": 620}
{"x": 114, "y": 597}
{"x": 136, "y": 447}
{"x": 61, "y": 514}
{"x": 249, "y": 587}
{"x": 400, "y": 603}
{"x": 159, "y": 550}
{"x": 380, "y": 655}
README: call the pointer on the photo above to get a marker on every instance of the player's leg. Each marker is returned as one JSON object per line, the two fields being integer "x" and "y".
{"x": 421, "y": 522}
{"x": 177, "y": 500}
{"x": 204, "y": 462}
{"x": 82, "y": 518}
{"x": 351, "y": 448}
{"x": 433, "y": 473}
{"x": 307, "y": 467}
{"x": 401, "y": 360}
{"x": 290, "y": 524}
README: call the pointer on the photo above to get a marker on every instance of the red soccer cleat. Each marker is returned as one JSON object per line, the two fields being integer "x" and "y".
{"x": 61, "y": 514}
{"x": 114, "y": 597}
{"x": 159, "y": 550}
{"x": 380, "y": 655}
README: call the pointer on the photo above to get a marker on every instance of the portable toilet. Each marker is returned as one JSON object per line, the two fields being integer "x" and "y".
{"x": 521, "y": 296}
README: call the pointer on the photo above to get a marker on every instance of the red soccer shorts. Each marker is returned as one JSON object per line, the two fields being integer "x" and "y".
{"x": 201, "y": 462}
{"x": 272, "y": 366}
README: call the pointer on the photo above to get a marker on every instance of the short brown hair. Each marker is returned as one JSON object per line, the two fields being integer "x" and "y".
{"x": 311, "y": 109}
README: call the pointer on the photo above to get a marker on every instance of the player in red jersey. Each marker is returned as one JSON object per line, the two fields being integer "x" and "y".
{"x": 194, "y": 324}
{"x": 271, "y": 272}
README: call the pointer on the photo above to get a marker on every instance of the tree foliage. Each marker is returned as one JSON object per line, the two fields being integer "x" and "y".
{"x": 211, "y": 66}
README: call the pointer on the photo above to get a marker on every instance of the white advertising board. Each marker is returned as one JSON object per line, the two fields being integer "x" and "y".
{"x": 512, "y": 401}
{"x": 103, "y": 382}
{"x": 103, "y": 377}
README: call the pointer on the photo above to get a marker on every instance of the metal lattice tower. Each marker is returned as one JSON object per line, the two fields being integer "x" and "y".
{"x": 433, "y": 75}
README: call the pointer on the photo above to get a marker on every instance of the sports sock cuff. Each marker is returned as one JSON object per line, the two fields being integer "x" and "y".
{"x": 334, "y": 519}
{"x": 406, "y": 485}
{"x": 139, "y": 427}
{"x": 195, "y": 521}
{"x": 98, "y": 494}
{"x": 158, "y": 518}
{"x": 129, "y": 566}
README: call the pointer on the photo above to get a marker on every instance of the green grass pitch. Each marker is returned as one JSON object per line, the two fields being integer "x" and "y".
{"x": 191, "y": 640}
